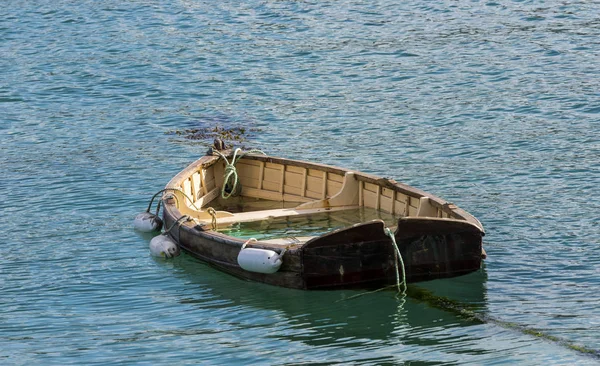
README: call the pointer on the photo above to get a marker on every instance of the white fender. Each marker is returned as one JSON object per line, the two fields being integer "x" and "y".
{"x": 147, "y": 222}
{"x": 163, "y": 246}
{"x": 259, "y": 260}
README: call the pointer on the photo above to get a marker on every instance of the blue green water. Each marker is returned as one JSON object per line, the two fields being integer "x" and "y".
{"x": 492, "y": 105}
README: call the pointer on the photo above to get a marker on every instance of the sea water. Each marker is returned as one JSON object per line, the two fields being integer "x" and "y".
{"x": 306, "y": 225}
{"x": 492, "y": 105}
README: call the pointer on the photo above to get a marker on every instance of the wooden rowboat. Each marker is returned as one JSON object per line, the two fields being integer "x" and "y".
{"x": 435, "y": 238}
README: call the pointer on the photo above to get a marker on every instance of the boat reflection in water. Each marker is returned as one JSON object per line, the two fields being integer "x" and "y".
{"x": 347, "y": 318}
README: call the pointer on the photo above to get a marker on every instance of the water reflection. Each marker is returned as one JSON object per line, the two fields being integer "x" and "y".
{"x": 325, "y": 318}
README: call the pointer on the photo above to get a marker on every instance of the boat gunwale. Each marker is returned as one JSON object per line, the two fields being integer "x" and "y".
{"x": 449, "y": 208}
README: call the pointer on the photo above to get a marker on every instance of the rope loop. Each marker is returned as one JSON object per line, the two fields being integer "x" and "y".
{"x": 172, "y": 190}
{"x": 211, "y": 211}
{"x": 177, "y": 222}
{"x": 251, "y": 240}
{"x": 230, "y": 174}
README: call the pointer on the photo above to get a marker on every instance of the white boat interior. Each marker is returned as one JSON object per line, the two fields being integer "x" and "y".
{"x": 282, "y": 188}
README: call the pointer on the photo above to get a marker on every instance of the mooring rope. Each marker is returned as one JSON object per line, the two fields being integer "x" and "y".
{"x": 230, "y": 170}
{"x": 177, "y": 222}
{"x": 171, "y": 189}
{"x": 401, "y": 286}
{"x": 211, "y": 211}
{"x": 399, "y": 259}
{"x": 251, "y": 240}
{"x": 461, "y": 310}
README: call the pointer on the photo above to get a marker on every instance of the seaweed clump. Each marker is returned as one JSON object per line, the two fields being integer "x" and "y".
{"x": 233, "y": 135}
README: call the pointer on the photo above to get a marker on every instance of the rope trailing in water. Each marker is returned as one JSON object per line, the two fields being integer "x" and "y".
{"x": 401, "y": 286}
{"x": 462, "y": 310}
{"x": 399, "y": 283}
{"x": 230, "y": 171}
{"x": 171, "y": 189}
{"x": 211, "y": 211}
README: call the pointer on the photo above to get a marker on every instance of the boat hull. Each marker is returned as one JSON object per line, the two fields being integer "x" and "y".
{"x": 436, "y": 239}
{"x": 361, "y": 256}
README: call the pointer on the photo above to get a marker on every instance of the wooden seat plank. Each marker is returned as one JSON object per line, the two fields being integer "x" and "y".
{"x": 272, "y": 214}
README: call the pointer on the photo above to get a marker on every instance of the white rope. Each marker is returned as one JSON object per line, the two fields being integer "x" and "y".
{"x": 399, "y": 283}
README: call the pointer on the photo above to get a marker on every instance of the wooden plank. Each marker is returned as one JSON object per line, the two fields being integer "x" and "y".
{"x": 295, "y": 169}
{"x": 272, "y": 175}
{"x": 315, "y": 185}
{"x": 412, "y": 211}
{"x": 271, "y": 187}
{"x": 293, "y": 179}
{"x": 272, "y": 214}
{"x": 248, "y": 171}
{"x": 273, "y": 195}
{"x": 399, "y": 206}
{"x": 248, "y": 182}
{"x": 336, "y": 178}
{"x": 298, "y": 163}
{"x": 385, "y": 203}
{"x": 187, "y": 188}
{"x": 261, "y": 175}
{"x": 361, "y": 198}
{"x": 264, "y": 193}
{"x": 294, "y": 191}
{"x": 386, "y": 192}
{"x": 313, "y": 195}
{"x": 250, "y": 162}
{"x": 370, "y": 199}
{"x": 324, "y": 182}
{"x": 304, "y": 174}
{"x": 333, "y": 187}
{"x": 282, "y": 179}
{"x": 371, "y": 187}
{"x": 196, "y": 185}
{"x": 346, "y": 196}
{"x": 292, "y": 198}
{"x": 203, "y": 181}
{"x": 273, "y": 166}
{"x": 214, "y": 175}
{"x": 207, "y": 198}
{"x": 315, "y": 173}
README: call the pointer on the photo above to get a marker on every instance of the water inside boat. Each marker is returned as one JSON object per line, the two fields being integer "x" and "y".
{"x": 292, "y": 227}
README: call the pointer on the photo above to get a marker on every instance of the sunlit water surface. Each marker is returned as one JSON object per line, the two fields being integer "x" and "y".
{"x": 493, "y": 105}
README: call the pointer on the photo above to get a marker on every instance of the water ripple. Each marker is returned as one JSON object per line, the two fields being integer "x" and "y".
{"x": 492, "y": 105}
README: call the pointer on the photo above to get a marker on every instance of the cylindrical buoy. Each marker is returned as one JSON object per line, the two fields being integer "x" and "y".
{"x": 259, "y": 260}
{"x": 147, "y": 222}
{"x": 163, "y": 246}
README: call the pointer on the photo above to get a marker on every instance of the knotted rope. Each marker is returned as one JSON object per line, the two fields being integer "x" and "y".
{"x": 211, "y": 211}
{"x": 230, "y": 171}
